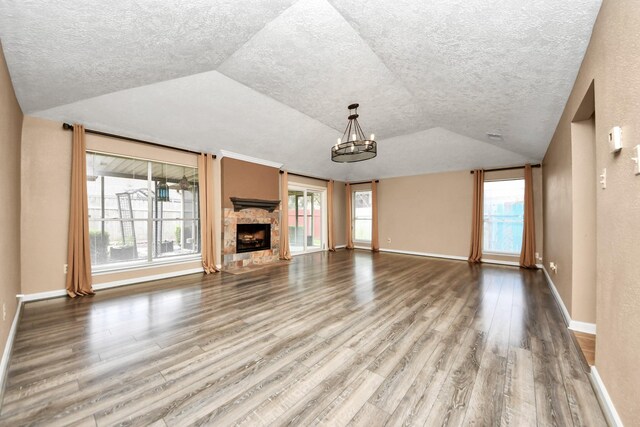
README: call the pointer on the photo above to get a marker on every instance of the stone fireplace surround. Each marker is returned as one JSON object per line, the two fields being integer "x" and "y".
{"x": 243, "y": 215}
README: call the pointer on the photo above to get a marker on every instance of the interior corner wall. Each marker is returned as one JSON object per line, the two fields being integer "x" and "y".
{"x": 613, "y": 64}
{"x": 339, "y": 213}
{"x": 431, "y": 213}
{"x": 10, "y": 138}
{"x": 426, "y": 213}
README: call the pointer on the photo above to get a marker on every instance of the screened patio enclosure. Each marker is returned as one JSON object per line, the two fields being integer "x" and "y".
{"x": 141, "y": 211}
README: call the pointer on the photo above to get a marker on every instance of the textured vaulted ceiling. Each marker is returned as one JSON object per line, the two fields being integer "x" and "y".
{"x": 272, "y": 79}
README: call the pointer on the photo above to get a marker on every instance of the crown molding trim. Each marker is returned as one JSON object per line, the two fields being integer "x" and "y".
{"x": 250, "y": 159}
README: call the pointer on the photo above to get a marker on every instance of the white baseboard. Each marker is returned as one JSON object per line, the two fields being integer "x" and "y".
{"x": 396, "y": 251}
{"x": 556, "y": 296}
{"x": 136, "y": 280}
{"x": 587, "y": 328}
{"x": 500, "y": 262}
{"x": 6, "y": 355}
{"x": 341, "y": 246}
{"x": 364, "y": 248}
{"x": 37, "y": 296}
{"x": 606, "y": 403}
{"x": 574, "y": 325}
{"x": 108, "y": 285}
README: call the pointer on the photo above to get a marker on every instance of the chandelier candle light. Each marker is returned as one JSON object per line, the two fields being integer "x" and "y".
{"x": 356, "y": 147}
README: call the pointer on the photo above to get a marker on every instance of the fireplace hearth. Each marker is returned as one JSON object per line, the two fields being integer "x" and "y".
{"x": 253, "y": 237}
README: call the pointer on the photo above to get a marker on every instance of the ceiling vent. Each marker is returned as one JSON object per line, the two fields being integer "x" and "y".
{"x": 494, "y": 136}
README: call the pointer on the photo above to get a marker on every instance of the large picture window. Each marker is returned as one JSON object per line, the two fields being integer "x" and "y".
{"x": 140, "y": 211}
{"x": 362, "y": 215}
{"x": 503, "y": 216}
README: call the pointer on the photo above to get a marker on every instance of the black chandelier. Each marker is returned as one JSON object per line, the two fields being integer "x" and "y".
{"x": 356, "y": 147}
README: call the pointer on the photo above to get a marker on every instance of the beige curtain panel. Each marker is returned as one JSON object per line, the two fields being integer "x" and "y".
{"x": 349, "y": 226}
{"x": 207, "y": 221}
{"x": 285, "y": 252}
{"x": 78, "y": 253}
{"x": 375, "y": 244}
{"x": 528, "y": 253}
{"x": 475, "y": 252}
{"x": 332, "y": 243}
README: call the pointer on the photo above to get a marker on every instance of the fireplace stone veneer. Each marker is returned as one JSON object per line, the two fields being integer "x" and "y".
{"x": 230, "y": 258}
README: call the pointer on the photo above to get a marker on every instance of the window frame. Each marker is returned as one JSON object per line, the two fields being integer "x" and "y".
{"x": 486, "y": 251}
{"x": 151, "y": 261}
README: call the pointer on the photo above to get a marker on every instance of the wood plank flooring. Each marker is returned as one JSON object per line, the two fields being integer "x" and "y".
{"x": 345, "y": 338}
{"x": 587, "y": 343}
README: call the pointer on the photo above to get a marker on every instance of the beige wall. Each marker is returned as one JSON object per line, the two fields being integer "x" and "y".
{"x": 613, "y": 63}
{"x": 339, "y": 213}
{"x": 583, "y": 183}
{"x": 302, "y": 181}
{"x": 432, "y": 213}
{"x": 249, "y": 181}
{"x": 45, "y": 183}
{"x": 558, "y": 214}
{"x": 10, "y": 134}
{"x": 426, "y": 213}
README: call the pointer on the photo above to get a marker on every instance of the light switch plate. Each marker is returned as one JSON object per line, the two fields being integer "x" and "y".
{"x": 615, "y": 139}
{"x": 636, "y": 158}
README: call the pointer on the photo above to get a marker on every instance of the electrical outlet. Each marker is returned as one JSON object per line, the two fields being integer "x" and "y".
{"x": 554, "y": 267}
{"x": 603, "y": 178}
{"x": 65, "y": 268}
{"x": 4, "y": 311}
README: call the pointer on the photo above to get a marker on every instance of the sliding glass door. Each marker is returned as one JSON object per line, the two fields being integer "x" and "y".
{"x": 307, "y": 218}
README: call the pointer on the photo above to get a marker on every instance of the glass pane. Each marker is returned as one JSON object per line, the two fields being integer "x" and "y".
{"x": 117, "y": 187}
{"x": 362, "y": 230}
{"x": 114, "y": 241}
{"x": 182, "y": 185}
{"x": 362, "y": 214}
{"x": 362, "y": 204}
{"x": 314, "y": 220}
{"x": 121, "y": 193}
{"x": 503, "y": 216}
{"x": 175, "y": 238}
{"x": 296, "y": 220}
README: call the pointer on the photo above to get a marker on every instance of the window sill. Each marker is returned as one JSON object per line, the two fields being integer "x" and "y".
{"x": 98, "y": 271}
{"x": 362, "y": 245}
{"x": 507, "y": 254}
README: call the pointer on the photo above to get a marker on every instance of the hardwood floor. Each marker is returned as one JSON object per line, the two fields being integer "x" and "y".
{"x": 587, "y": 343}
{"x": 345, "y": 338}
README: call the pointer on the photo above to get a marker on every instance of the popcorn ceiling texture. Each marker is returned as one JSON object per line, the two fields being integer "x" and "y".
{"x": 432, "y": 77}
{"x": 63, "y": 51}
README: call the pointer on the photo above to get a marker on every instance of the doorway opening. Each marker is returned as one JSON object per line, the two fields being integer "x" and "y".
{"x": 307, "y": 219}
{"x": 584, "y": 183}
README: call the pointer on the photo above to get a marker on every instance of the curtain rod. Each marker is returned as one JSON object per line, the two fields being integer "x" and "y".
{"x": 508, "y": 169}
{"x": 67, "y": 126}
{"x": 362, "y": 182}
{"x": 306, "y": 176}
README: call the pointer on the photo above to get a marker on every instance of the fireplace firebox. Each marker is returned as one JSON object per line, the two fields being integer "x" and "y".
{"x": 253, "y": 237}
